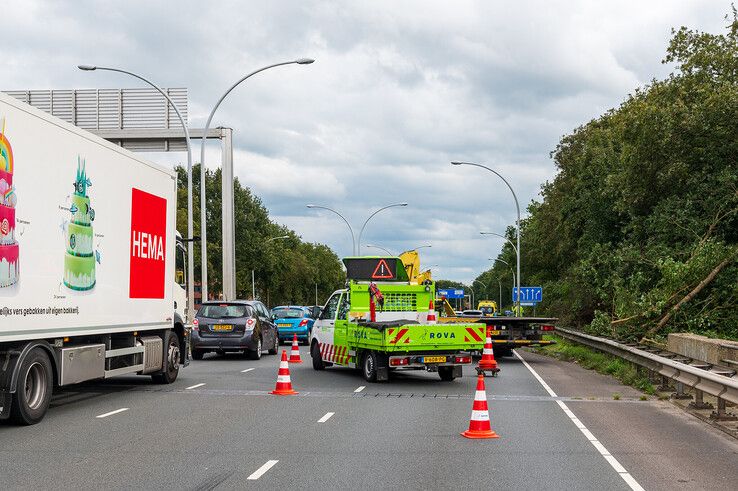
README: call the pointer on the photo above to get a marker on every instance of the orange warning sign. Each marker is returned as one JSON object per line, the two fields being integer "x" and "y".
{"x": 382, "y": 271}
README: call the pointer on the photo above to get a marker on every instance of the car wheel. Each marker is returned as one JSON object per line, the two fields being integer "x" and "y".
{"x": 171, "y": 363}
{"x": 317, "y": 360}
{"x": 446, "y": 373}
{"x": 369, "y": 366}
{"x": 256, "y": 354}
{"x": 35, "y": 380}
{"x": 197, "y": 354}
{"x": 275, "y": 349}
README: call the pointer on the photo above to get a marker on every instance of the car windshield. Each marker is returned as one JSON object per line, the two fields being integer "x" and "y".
{"x": 224, "y": 310}
{"x": 487, "y": 310}
{"x": 288, "y": 313}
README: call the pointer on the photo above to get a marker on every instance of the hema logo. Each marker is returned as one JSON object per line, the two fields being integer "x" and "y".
{"x": 148, "y": 245}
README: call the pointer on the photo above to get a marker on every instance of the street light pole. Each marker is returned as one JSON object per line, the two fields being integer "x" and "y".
{"x": 370, "y": 217}
{"x": 416, "y": 248}
{"x": 517, "y": 207}
{"x": 353, "y": 240}
{"x": 502, "y": 236}
{"x": 379, "y": 247}
{"x": 190, "y": 225}
{"x": 513, "y": 277}
{"x": 203, "y": 203}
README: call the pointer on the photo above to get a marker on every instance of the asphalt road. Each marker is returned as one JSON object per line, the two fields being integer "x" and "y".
{"x": 217, "y": 427}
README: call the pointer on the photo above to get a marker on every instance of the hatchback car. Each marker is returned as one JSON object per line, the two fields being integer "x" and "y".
{"x": 234, "y": 326}
{"x": 293, "y": 320}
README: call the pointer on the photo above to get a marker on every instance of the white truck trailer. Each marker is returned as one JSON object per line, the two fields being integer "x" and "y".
{"x": 88, "y": 260}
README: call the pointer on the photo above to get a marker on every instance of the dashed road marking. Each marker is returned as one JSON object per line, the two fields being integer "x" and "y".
{"x": 195, "y": 386}
{"x": 326, "y": 417}
{"x": 622, "y": 472}
{"x": 360, "y": 388}
{"x": 247, "y": 370}
{"x": 112, "y": 413}
{"x": 262, "y": 470}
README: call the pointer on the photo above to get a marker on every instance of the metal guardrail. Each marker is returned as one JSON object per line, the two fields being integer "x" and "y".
{"x": 700, "y": 376}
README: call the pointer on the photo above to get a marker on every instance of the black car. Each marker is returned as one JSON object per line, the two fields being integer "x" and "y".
{"x": 240, "y": 325}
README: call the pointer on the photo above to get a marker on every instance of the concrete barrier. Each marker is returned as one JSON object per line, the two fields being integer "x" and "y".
{"x": 702, "y": 348}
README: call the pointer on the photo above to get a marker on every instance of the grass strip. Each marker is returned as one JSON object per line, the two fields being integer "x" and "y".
{"x": 592, "y": 359}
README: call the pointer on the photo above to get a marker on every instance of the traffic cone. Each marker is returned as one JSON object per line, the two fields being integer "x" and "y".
{"x": 479, "y": 426}
{"x": 431, "y": 319}
{"x": 488, "y": 362}
{"x": 284, "y": 385}
{"x": 295, "y": 352}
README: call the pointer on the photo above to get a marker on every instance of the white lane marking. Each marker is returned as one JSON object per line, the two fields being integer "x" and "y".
{"x": 112, "y": 413}
{"x": 262, "y": 470}
{"x": 326, "y": 417}
{"x": 617, "y": 466}
{"x": 247, "y": 370}
{"x": 195, "y": 386}
{"x": 360, "y": 388}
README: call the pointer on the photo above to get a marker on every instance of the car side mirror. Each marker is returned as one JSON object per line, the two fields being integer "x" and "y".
{"x": 316, "y": 312}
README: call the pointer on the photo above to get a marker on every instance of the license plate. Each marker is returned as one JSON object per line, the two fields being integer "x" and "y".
{"x": 222, "y": 327}
{"x": 434, "y": 359}
{"x": 494, "y": 333}
{"x": 284, "y": 325}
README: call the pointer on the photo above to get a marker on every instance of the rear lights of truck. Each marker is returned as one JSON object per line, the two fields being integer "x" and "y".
{"x": 398, "y": 362}
{"x": 303, "y": 323}
{"x": 463, "y": 359}
{"x": 547, "y": 327}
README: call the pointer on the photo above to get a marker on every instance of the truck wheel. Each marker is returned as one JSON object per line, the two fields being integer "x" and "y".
{"x": 171, "y": 364}
{"x": 275, "y": 349}
{"x": 197, "y": 354}
{"x": 256, "y": 354}
{"x": 369, "y": 366}
{"x": 446, "y": 373}
{"x": 317, "y": 360}
{"x": 33, "y": 394}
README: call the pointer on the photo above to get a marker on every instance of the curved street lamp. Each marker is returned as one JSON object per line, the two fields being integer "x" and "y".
{"x": 203, "y": 203}
{"x": 517, "y": 207}
{"x": 502, "y": 236}
{"x": 190, "y": 224}
{"x": 379, "y": 247}
{"x": 370, "y": 217}
{"x": 513, "y": 276}
{"x": 353, "y": 240}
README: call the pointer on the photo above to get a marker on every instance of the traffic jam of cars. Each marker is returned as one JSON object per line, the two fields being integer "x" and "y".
{"x": 247, "y": 326}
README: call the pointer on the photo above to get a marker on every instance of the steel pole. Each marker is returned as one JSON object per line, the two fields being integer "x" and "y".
{"x": 517, "y": 207}
{"x": 190, "y": 224}
{"x": 253, "y": 285}
{"x": 353, "y": 239}
{"x": 370, "y": 217}
{"x": 203, "y": 203}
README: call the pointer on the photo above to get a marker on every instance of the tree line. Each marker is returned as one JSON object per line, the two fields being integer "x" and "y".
{"x": 637, "y": 235}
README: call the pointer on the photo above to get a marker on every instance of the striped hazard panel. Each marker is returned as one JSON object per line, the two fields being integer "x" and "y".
{"x": 398, "y": 335}
{"x": 474, "y": 334}
{"x": 334, "y": 354}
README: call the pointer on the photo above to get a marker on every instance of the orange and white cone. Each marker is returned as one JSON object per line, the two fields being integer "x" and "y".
{"x": 488, "y": 362}
{"x": 295, "y": 351}
{"x": 284, "y": 384}
{"x": 431, "y": 319}
{"x": 479, "y": 426}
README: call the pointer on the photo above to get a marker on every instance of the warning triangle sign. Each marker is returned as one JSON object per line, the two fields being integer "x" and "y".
{"x": 382, "y": 271}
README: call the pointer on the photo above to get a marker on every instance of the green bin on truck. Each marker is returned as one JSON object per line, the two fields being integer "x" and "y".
{"x": 403, "y": 333}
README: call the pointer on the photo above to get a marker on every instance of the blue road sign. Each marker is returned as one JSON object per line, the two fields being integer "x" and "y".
{"x": 450, "y": 293}
{"x": 529, "y": 295}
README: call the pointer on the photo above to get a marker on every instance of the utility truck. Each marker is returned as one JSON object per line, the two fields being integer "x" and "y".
{"x": 87, "y": 263}
{"x": 382, "y": 322}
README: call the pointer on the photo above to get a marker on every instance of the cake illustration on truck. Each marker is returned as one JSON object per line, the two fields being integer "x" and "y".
{"x": 79, "y": 260}
{"x": 9, "y": 265}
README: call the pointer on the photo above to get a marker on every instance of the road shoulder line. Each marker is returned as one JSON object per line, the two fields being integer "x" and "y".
{"x": 617, "y": 466}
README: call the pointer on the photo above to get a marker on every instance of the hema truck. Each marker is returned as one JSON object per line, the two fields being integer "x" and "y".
{"x": 384, "y": 322}
{"x": 87, "y": 262}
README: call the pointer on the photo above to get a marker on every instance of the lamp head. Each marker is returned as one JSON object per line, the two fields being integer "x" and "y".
{"x": 304, "y": 61}
{"x": 456, "y": 162}
{"x": 87, "y": 68}
{"x": 403, "y": 204}
{"x": 310, "y": 206}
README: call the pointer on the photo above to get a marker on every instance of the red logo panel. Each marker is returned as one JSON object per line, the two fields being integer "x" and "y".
{"x": 148, "y": 245}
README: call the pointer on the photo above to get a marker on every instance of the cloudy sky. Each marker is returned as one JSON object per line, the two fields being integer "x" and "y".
{"x": 399, "y": 89}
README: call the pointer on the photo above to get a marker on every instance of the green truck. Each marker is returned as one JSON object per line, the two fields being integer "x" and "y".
{"x": 382, "y": 322}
